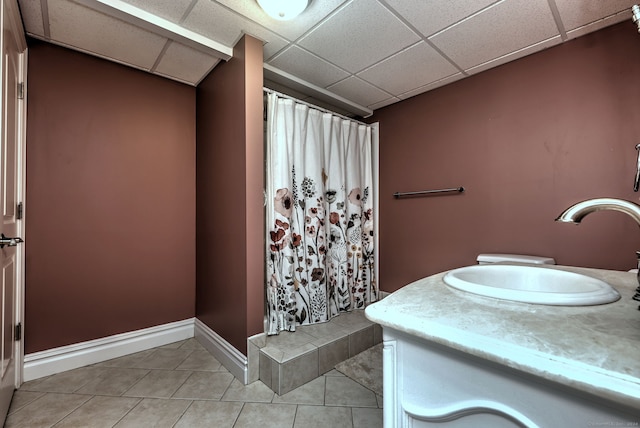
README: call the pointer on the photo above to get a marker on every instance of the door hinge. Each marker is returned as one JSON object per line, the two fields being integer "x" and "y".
{"x": 21, "y": 90}
{"x": 19, "y": 211}
{"x": 18, "y": 332}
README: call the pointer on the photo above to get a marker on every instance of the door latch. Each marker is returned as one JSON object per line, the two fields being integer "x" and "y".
{"x": 10, "y": 242}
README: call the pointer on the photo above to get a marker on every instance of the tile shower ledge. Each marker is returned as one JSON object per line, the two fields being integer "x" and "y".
{"x": 291, "y": 359}
{"x": 589, "y": 348}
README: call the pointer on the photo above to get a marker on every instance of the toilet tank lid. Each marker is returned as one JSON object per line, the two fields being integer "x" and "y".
{"x": 518, "y": 258}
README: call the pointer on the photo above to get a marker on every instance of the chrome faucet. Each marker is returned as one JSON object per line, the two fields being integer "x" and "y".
{"x": 575, "y": 214}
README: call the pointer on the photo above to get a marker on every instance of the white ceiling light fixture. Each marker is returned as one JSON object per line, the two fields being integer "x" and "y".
{"x": 283, "y": 10}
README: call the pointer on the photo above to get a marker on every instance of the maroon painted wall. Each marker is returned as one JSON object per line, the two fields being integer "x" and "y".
{"x": 110, "y": 210}
{"x": 526, "y": 140}
{"x": 229, "y": 204}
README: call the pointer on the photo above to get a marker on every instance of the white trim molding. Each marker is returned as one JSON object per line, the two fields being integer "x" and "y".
{"x": 233, "y": 360}
{"x": 293, "y": 82}
{"x": 139, "y": 17}
{"x": 56, "y": 360}
{"x": 466, "y": 409}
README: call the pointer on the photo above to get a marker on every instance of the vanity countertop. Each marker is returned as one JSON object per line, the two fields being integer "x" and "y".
{"x": 595, "y": 349}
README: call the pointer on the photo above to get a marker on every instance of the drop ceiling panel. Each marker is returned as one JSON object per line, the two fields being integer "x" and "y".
{"x": 363, "y": 33}
{"x": 430, "y": 17}
{"x": 92, "y": 31}
{"x": 32, "y": 17}
{"x": 315, "y": 70}
{"x": 507, "y": 26}
{"x": 384, "y": 103}
{"x": 515, "y": 55}
{"x": 433, "y": 85}
{"x": 359, "y": 91}
{"x": 181, "y": 62}
{"x": 172, "y": 10}
{"x": 599, "y": 24}
{"x": 353, "y": 53}
{"x": 218, "y": 23}
{"x": 291, "y": 30}
{"x": 413, "y": 67}
{"x": 272, "y": 47}
{"x": 576, "y": 13}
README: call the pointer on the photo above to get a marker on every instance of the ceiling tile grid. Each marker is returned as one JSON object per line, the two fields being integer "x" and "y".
{"x": 317, "y": 11}
{"x": 412, "y": 67}
{"x": 173, "y": 11}
{"x": 430, "y": 17}
{"x": 481, "y": 38}
{"x": 431, "y": 86}
{"x": 300, "y": 62}
{"x": 599, "y": 24}
{"x": 370, "y": 52}
{"x": 512, "y": 56}
{"x": 577, "y": 13}
{"x": 219, "y": 23}
{"x": 363, "y": 33}
{"x": 358, "y": 90}
{"x": 103, "y": 35}
{"x": 384, "y": 103}
{"x": 171, "y": 64}
{"x": 32, "y": 17}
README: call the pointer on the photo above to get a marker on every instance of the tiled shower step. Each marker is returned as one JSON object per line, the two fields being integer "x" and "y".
{"x": 292, "y": 359}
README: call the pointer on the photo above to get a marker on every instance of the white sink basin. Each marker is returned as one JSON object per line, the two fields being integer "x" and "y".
{"x": 532, "y": 284}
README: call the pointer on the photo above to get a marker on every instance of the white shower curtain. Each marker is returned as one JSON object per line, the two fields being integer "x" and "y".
{"x": 319, "y": 212}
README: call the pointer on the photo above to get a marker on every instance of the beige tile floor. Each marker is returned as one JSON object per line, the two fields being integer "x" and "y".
{"x": 182, "y": 385}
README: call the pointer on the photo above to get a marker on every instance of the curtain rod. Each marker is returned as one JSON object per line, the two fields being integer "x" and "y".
{"x": 280, "y": 94}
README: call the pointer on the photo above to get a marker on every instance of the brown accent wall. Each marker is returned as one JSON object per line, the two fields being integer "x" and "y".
{"x": 230, "y": 213}
{"x": 526, "y": 140}
{"x": 110, "y": 210}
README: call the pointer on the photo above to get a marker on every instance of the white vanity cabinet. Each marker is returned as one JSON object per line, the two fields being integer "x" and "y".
{"x": 460, "y": 360}
{"x": 427, "y": 384}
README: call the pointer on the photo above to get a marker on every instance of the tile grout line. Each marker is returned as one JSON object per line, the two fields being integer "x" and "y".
{"x": 76, "y": 408}
{"x": 219, "y": 400}
{"x": 135, "y": 383}
{"x": 238, "y": 416}
{"x": 191, "y": 372}
{"x": 129, "y": 411}
{"x": 183, "y": 412}
{"x": 240, "y": 396}
{"x": 295, "y": 416}
{"x": 324, "y": 395}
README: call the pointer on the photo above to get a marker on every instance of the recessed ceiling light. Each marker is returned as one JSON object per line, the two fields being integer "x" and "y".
{"x": 283, "y": 10}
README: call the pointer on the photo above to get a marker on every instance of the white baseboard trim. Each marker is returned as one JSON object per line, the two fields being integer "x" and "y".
{"x": 56, "y": 360}
{"x": 233, "y": 360}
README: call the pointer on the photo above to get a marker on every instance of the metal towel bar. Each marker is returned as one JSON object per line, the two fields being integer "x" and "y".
{"x": 429, "y": 192}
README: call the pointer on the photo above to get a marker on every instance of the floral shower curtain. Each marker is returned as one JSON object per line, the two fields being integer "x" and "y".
{"x": 319, "y": 211}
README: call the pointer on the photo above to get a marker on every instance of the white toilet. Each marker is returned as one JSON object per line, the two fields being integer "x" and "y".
{"x": 484, "y": 259}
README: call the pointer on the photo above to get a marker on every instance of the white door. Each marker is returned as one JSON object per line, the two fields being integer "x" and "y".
{"x": 10, "y": 192}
